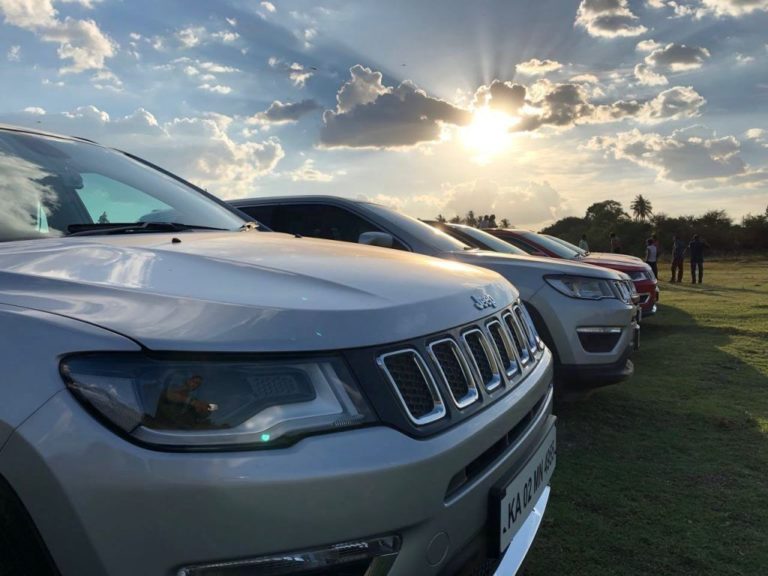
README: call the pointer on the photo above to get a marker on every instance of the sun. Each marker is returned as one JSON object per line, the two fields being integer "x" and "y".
{"x": 488, "y": 134}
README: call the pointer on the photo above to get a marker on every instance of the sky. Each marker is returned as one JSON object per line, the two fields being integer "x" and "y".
{"x": 530, "y": 109}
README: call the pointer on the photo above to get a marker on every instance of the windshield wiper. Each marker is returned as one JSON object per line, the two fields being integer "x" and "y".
{"x": 128, "y": 228}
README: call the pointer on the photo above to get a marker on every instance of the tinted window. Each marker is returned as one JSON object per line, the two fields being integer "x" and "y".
{"x": 316, "y": 221}
{"x": 437, "y": 239}
{"x": 49, "y": 184}
{"x": 553, "y": 246}
{"x": 488, "y": 242}
{"x": 262, "y": 214}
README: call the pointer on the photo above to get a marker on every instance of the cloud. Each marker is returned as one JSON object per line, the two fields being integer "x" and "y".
{"x": 669, "y": 59}
{"x": 536, "y": 67}
{"x": 284, "y": 113}
{"x": 691, "y": 154}
{"x": 714, "y": 8}
{"x": 268, "y": 6}
{"x": 215, "y": 88}
{"x": 528, "y": 203}
{"x": 733, "y": 8}
{"x": 648, "y": 46}
{"x": 504, "y": 96}
{"x": 107, "y": 80}
{"x": 297, "y": 73}
{"x": 13, "y": 54}
{"x": 36, "y": 110}
{"x": 568, "y": 104}
{"x": 608, "y": 19}
{"x": 585, "y": 78}
{"x": 647, "y": 77}
{"x": 371, "y": 115}
{"x": 199, "y": 148}
{"x": 80, "y": 41}
{"x": 193, "y": 36}
{"x": 308, "y": 173}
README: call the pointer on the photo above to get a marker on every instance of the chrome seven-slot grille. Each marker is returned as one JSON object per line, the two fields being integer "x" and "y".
{"x": 486, "y": 357}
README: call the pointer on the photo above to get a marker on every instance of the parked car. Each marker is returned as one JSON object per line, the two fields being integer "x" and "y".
{"x": 185, "y": 394}
{"x": 548, "y": 246}
{"x": 584, "y": 313}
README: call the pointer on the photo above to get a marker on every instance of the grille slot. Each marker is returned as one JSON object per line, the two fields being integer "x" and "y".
{"x": 518, "y": 337}
{"x": 455, "y": 372}
{"x": 483, "y": 359}
{"x": 527, "y": 326}
{"x": 414, "y": 385}
{"x": 504, "y": 348}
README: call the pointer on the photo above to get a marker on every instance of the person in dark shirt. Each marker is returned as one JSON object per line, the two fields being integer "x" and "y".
{"x": 678, "y": 258}
{"x": 696, "y": 250}
{"x": 615, "y": 243}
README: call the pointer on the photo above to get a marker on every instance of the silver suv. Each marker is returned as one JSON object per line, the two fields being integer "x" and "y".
{"x": 584, "y": 313}
{"x": 186, "y": 395}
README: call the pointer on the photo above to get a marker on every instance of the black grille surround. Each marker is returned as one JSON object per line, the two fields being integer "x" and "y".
{"x": 427, "y": 384}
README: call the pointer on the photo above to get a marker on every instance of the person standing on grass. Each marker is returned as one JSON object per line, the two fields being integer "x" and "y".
{"x": 651, "y": 255}
{"x": 696, "y": 249}
{"x": 583, "y": 244}
{"x": 678, "y": 258}
{"x": 615, "y": 243}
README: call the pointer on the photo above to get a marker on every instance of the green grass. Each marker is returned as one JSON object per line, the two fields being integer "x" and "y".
{"x": 667, "y": 473}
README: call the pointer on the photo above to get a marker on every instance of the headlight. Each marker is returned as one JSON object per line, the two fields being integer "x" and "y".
{"x": 227, "y": 402}
{"x": 638, "y": 275}
{"x": 581, "y": 287}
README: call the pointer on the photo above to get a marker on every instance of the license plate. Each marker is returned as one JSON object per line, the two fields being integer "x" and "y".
{"x": 516, "y": 500}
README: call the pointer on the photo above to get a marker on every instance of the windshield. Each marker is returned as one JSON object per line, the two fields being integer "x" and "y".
{"x": 489, "y": 241}
{"x": 567, "y": 244}
{"x": 556, "y": 247}
{"x": 53, "y": 187}
{"x": 437, "y": 239}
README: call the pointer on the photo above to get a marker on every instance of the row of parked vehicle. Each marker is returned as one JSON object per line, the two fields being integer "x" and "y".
{"x": 196, "y": 388}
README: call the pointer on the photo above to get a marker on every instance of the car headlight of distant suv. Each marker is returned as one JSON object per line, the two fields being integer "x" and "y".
{"x": 216, "y": 402}
{"x": 583, "y": 287}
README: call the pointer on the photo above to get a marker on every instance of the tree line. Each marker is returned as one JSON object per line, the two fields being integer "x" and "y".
{"x": 601, "y": 218}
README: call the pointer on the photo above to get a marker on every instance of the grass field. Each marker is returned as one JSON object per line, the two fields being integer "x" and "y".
{"x": 668, "y": 473}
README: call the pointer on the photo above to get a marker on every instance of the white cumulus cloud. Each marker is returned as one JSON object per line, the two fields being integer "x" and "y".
{"x": 608, "y": 19}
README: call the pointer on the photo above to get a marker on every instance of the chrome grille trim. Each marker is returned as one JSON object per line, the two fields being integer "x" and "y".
{"x": 472, "y": 394}
{"x": 531, "y": 339}
{"x": 516, "y": 331}
{"x": 438, "y": 410}
{"x": 512, "y": 369}
{"x": 495, "y": 380}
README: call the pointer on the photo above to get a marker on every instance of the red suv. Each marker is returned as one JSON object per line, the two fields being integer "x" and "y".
{"x": 545, "y": 245}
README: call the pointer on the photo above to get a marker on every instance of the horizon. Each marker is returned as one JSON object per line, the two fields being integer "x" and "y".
{"x": 531, "y": 112}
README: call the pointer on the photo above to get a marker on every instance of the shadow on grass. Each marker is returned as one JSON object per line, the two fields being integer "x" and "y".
{"x": 665, "y": 473}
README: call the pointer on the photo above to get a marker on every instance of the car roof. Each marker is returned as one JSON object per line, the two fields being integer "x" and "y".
{"x": 299, "y": 198}
{"x": 36, "y": 132}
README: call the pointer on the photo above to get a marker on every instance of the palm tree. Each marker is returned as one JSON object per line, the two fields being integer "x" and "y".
{"x": 504, "y": 223}
{"x": 440, "y": 218}
{"x": 641, "y": 208}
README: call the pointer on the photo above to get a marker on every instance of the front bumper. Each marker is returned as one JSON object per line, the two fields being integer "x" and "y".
{"x": 107, "y": 507}
{"x": 579, "y": 361}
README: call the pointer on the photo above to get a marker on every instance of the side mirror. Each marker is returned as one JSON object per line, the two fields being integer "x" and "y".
{"x": 376, "y": 239}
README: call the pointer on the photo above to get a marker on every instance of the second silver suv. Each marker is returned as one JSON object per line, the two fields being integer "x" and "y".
{"x": 584, "y": 313}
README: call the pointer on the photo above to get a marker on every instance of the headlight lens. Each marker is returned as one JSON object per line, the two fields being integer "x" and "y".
{"x": 581, "y": 287}
{"x": 194, "y": 403}
{"x": 638, "y": 275}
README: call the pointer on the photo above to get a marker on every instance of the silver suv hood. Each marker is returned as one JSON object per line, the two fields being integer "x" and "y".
{"x": 512, "y": 262}
{"x": 250, "y": 291}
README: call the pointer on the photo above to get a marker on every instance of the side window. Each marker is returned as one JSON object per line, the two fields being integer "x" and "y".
{"x": 322, "y": 221}
{"x": 112, "y": 201}
{"x": 522, "y": 245}
{"x": 262, "y": 214}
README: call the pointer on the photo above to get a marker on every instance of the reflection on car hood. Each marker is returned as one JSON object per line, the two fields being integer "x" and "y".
{"x": 545, "y": 265}
{"x": 618, "y": 261}
{"x": 244, "y": 291}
